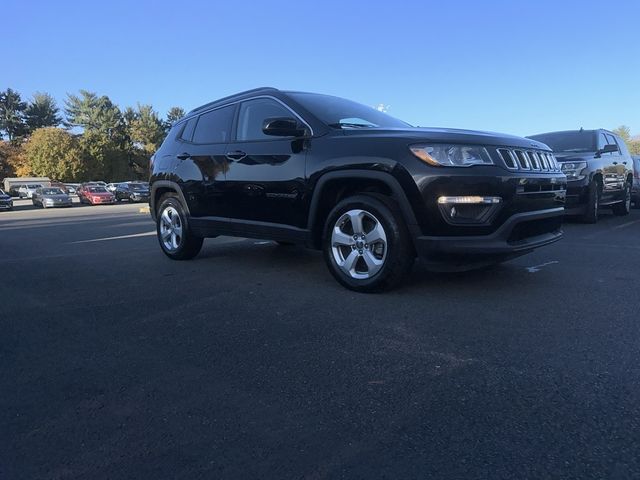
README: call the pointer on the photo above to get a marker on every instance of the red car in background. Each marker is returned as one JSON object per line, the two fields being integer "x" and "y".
{"x": 95, "y": 195}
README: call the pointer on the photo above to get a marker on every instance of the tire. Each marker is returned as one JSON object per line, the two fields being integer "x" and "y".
{"x": 593, "y": 203}
{"x": 171, "y": 217}
{"x": 624, "y": 207}
{"x": 361, "y": 264}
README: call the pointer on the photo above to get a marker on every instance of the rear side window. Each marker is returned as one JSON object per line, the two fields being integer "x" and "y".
{"x": 214, "y": 126}
{"x": 187, "y": 131}
{"x": 252, "y": 116}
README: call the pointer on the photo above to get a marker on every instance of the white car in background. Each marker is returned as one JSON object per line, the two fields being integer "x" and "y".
{"x": 26, "y": 191}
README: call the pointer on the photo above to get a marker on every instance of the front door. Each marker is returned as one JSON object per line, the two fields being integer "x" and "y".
{"x": 265, "y": 179}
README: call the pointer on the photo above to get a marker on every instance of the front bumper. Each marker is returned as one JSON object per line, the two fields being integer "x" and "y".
{"x": 139, "y": 198}
{"x": 520, "y": 234}
{"x": 6, "y": 205}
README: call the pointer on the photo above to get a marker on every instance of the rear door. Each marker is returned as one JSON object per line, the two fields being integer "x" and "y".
{"x": 266, "y": 174}
{"x": 618, "y": 166}
{"x": 202, "y": 163}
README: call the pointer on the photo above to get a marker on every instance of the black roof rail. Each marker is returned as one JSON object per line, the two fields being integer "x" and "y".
{"x": 230, "y": 97}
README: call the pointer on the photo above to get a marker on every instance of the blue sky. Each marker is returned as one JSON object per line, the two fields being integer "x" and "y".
{"x": 519, "y": 67}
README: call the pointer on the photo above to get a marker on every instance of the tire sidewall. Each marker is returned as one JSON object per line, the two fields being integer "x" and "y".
{"x": 175, "y": 203}
{"x": 393, "y": 232}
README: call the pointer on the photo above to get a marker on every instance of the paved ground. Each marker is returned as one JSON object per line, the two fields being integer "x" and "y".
{"x": 251, "y": 362}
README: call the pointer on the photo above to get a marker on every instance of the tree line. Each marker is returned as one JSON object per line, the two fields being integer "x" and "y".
{"x": 92, "y": 138}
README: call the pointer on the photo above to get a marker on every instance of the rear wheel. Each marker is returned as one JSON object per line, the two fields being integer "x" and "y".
{"x": 593, "y": 203}
{"x": 366, "y": 244}
{"x": 172, "y": 226}
{"x": 624, "y": 207}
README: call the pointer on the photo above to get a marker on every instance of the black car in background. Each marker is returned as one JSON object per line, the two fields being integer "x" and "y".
{"x": 369, "y": 190}
{"x": 598, "y": 167}
{"x": 6, "y": 202}
{"x": 132, "y": 192}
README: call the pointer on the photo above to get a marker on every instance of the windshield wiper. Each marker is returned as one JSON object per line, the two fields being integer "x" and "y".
{"x": 350, "y": 125}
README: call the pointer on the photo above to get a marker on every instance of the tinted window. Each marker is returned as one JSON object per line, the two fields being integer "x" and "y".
{"x": 612, "y": 141}
{"x": 340, "y": 113}
{"x": 602, "y": 141}
{"x": 214, "y": 126}
{"x": 578, "y": 141}
{"x": 253, "y": 114}
{"x": 187, "y": 131}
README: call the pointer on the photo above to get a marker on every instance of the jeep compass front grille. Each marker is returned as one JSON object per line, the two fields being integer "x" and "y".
{"x": 528, "y": 160}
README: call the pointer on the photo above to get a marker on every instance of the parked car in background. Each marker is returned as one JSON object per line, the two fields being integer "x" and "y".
{"x": 95, "y": 195}
{"x": 26, "y": 191}
{"x": 369, "y": 190}
{"x": 48, "y": 197}
{"x": 112, "y": 187}
{"x": 635, "y": 190}
{"x": 598, "y": 167}
{"x": 132, "y": 192}
{"x": 71, "y": 188}
{"x": 14, "y": 191}
{"x": 6, "y": 202}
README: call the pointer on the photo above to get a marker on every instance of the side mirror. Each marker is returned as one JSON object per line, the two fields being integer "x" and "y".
{"x": 283, "y": 127}
{"x": 608, "y": 149}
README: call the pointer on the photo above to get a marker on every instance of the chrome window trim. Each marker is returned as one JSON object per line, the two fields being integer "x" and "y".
{"x": 256, "y": 97}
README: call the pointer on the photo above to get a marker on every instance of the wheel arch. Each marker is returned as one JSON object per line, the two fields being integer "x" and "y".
{"x": 159, "y": 188}
{"x": 334, "y": 186}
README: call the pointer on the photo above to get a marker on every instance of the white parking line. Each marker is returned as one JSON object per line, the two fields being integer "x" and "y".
{"x": 625, "y": 225}
{"x": 538, "y": 267}
{"x": 147, "y": 234}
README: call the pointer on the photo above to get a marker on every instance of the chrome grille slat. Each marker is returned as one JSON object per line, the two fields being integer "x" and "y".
{"x": 528, "y": 160}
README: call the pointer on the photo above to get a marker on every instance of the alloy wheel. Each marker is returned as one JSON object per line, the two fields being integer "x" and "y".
{"x": 359, "y": 244}
{"x": 170, "y": 229}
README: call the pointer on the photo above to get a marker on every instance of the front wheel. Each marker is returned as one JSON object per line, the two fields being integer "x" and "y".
{"x": 624, "y": 207}
{"x": 172, "y": 226}
{"x": 593, "y": 203}
{"x": 367, "y": 245}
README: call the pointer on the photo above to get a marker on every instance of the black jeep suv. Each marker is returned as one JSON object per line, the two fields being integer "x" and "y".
{"x": 598, "y": 167}
{"x": 369, "y": 190}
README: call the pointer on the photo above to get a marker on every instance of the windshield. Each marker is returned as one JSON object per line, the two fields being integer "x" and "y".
{"x": 2, "y": 192}
{"x": 340, "y": 113}
{"x": 579, "y": 141}
{"x": 97, "y": 190}
{"x": 34, "y": 186}
{"x": 52, "y": 191}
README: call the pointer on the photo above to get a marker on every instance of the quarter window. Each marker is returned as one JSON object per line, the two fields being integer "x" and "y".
{"x": 214, "y": 126}
{"x": 187, "y": 131}
{"x": 253, "y": 114}
{"x": 612, "y": 141}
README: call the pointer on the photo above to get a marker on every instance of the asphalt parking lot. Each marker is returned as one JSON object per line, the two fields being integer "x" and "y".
{"x": 252, "y": 362}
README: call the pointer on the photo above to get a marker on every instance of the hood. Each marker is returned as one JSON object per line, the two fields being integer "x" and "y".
{"x": 449, "y": 135}
{"x": 100, "y": 194}
{"x": 4, "y": 196}
{"x": 574, "y": 157}
{"x": 60, "y": 196}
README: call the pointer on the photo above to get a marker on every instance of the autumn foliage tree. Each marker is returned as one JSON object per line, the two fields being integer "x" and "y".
{"x": 55, "y": 153}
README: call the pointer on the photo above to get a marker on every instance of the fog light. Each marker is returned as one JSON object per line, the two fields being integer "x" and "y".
{"x": 469, "y": 200}
{"x": 468, "y": 209}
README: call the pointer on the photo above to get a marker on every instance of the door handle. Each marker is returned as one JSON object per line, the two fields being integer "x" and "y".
{"x": 237, "y": 155}
{"x": 184, "y": 156}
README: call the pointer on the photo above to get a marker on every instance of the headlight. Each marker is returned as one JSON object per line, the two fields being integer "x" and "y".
{"x": 452, "y": 155}
{"x": 573, "y": 170}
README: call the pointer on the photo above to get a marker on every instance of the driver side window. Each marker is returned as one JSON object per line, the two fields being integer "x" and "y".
{"x": 252, "y": 116}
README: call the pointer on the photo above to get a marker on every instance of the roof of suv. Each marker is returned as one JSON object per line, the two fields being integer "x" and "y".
{"x": 236, "y": 96}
